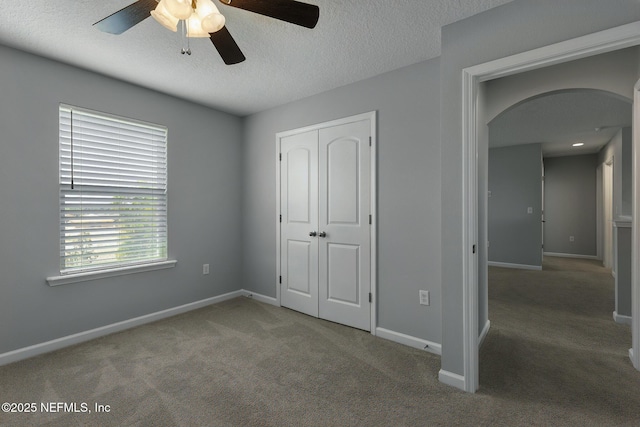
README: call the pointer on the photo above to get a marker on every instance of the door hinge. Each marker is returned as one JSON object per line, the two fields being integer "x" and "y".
{"x": 370, "y": 297}
{"x": 370, "y": 221}
{"x": 369, "y": 141}
{"x": 474, "y": 249}
{"x": 280, "y": 279}
{"x": 280, "y": 156}
{"x": 280, "y": 218}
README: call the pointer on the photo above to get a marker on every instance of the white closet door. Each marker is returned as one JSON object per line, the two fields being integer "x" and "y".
{"x": 299, "y": 210}
{"x": 325, "y": 241}
{"x": 344, "y": 230}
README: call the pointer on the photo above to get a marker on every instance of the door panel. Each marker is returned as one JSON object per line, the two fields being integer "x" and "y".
{"x": 298, "y": 181}
{"x": 344, "y": 207}
{"x": 343, "y": 269}
{"x": 343, "y": 166}
{"x": 298, "y": 267}
{"x": 299, "y": 208}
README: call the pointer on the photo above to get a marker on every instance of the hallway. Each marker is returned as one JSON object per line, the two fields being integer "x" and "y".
{"x": 553, "y": 344}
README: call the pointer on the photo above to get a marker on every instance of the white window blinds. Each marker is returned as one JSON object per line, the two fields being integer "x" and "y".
{"x": 113, "y": 191}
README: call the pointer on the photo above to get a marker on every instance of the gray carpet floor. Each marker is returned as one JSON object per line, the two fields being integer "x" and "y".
{"x": 553, "y": 356}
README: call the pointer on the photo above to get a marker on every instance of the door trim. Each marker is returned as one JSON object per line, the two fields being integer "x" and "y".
{"x": 581, "y": 47}
{"x": 634, "y": 351}
{"x": 372, "y": 117}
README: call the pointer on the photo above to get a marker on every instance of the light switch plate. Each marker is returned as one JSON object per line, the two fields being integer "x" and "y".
{"x": 424, "y": 298}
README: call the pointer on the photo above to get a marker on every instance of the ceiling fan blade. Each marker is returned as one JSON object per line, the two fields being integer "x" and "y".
{"x": 122, "y": 20}
{"x": 227, "y": 46}
{"x": 291, "y": 11}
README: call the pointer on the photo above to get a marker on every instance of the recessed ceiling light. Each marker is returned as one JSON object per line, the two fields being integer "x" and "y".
{"x": 578, "y": 144}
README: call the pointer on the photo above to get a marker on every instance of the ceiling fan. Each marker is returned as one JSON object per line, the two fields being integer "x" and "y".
{"x": 201, "y": 18}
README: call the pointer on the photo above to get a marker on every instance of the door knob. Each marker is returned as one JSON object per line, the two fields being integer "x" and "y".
{"x": 313, "y": 234}
{"x": 322, "y": 234}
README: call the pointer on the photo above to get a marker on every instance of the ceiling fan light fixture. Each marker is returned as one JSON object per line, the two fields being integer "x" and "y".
{"x": 214, "y": 22}
{"x": 210, "y": 17}
{"x": 194, "y": 27}
{"x": 164, "y": 18}
{"x": 181, "y": 9}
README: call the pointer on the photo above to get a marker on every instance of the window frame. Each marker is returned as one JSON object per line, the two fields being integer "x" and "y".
{"x": 92, "y": 272}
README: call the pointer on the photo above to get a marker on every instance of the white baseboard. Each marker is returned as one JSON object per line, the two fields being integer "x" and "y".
{"x": 410, "y": 341}
{"x": 562, "y": 255}
{"x": 260, "y": 297}
{"x": 449, "y": 378}
{"x": 619, "y": 318}
{"x": 518, "y": 266}
{"x": 484, "y": 333}
{"x": 56, "y": 344}
{"x": 631, "y": 355}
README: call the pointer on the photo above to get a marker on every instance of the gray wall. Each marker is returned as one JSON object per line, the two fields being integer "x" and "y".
{"x": 515, "y": 182}
{"x": 570, "y": 204}
{"x": 204, "y": 169}
{"x": 407, "y": 101}
{"x": 615, "y": 72}
{"x": 515, "y": 27}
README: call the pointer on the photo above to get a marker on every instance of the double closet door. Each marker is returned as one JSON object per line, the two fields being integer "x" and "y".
{"x": 325, "y": 231}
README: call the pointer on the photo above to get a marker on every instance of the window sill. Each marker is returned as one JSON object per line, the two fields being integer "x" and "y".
{"x": 94, "y": 275}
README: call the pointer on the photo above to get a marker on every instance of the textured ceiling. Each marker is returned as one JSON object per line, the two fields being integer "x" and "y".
{"x": 354, "y": 40}
{"x": 560, "y": 119}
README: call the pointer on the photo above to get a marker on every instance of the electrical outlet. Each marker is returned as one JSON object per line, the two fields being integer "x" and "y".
{"x": 572, "y": 239}
{"x": 424, "y": 298}
{"x": 529, "y": 210}
{"x": 205, "y": 268}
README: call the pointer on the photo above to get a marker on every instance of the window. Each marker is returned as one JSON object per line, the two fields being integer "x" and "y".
{"x": 113, "y": 191}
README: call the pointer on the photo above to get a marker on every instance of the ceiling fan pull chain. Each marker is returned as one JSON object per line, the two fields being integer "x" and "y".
{"x": 182, "y": 50}
{"x": 186, "y": 22}
{"x": 184, "y": 31}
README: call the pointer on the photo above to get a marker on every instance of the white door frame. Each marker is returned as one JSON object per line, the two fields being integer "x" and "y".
{"x": 608, "y": 258}
{"x": 372, "y": 117}
{"x": 599, "y": 212}
{"x": 634, "y": 352}
{"x": 472, "y": 113}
